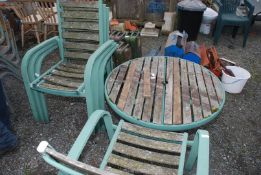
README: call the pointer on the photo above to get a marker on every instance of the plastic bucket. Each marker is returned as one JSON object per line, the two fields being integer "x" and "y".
{"x": 235, "y": 84}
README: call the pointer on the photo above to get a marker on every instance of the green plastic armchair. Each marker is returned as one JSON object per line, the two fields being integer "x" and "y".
{"x": 227, "y": 17}
{"x": 83, "y": 38}
{"x": 133, "y": 150}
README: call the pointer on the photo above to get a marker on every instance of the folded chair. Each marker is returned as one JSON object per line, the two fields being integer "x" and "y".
{"x": 133, "y": 150}
{"x": 83, "y": 32}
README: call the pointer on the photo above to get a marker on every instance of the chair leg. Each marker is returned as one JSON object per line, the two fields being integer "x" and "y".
{"x": 218, "y": 31}
{"x": 37, "y": 33}
{"x": 22, "y": 34}
{"x": 38, "y": 105}
{"x": 45, "y": 31}
{"x": 246, "y": 32}
{"x": 235, "y": 30}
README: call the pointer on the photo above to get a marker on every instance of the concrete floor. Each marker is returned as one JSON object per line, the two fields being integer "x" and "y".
{"x": 235, "y": 136}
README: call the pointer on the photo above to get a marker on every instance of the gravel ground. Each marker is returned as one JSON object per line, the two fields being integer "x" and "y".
{"x": 235, "y": 138}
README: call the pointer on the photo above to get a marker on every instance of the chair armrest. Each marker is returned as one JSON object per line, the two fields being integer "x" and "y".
{"x": 32, "y": 61}
{"x": 251, "y": 8}
{"x": 199, "y": 152}
{"x": 66, "y": 164}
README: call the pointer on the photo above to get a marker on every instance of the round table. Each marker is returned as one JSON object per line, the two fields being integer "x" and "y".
{"x": 164, "y": 93}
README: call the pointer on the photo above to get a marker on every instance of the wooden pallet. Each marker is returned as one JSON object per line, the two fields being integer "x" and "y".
{"x": 165, "y": 91}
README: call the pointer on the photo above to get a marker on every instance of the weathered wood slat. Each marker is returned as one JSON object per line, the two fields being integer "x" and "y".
{"x": 196, "y": 106}
{"x": 77, "y": 55}
{"x": 202, "y": 92}
{"x": 149, "y": 143}
{"x": 147, "y": 114}
{"x": 84, "y": 168}
{"x": 91, "y": 26}
{"x": 116, "y": 171}
{"x": 118, "y": 83}
{"x": 177, "y": 115}
{"x": 89, "y": 5}
{"x": 81, "y": 46}
{"x": 62, "y": 81}
{"x": 56, "y": 87}
{"x": 218, "y": 88}
{"x": 67, "y": 74}
{"x": 146, "y": 155}
{"x": 81, "y": 36}
{"x": 185, "y": 93}
{"x": 130, "y": 102}
{"x": 80, "y": 14}
{"x": 157, "y": 114}
{"x": 211, "y": 91}
{"x": 126, "y": 87}
{"x": 140, "y": 167}
{"x": 146, "y": 85}
{"x": 112, "y": 79}
{"x": 169, "y": 93}
{"x": 69, "y": 69}
{"x": 74, "y": 66}
{"x": 152, "y": 132}
{"x": 140, "y": 97}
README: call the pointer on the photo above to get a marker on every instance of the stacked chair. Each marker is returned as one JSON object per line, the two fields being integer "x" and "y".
{"x": 9, "y": 57}
{"x": 85, "y": 59}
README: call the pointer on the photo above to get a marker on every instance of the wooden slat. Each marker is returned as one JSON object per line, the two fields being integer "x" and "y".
{"x": 69, "y": 69}
{"x": 81, "y": 36}
{"x": 130, "y": 101}
{"x": 152, "y": 132}
{"x": 149, "y": 143}
{"x": 169, "y": 93}
{"x": 196, "y": 106}
{"x": 202, "y": 92}
{"x": 185, "y": 93}
{"x": 80, "y": 14}
{"x": 147, "y": 113}
{"x": 83, "y": 5}
{"x": 177, "y": 115}
{"x": 146, "y": 155}
{"x": 81, "y": 46}
{"x": 126, "y": 86}
{"x": 111, "y": 80}
{"x": 67, "y": 74}
{"x": 84, "y": 168}
{"x": 138, "y": 109}
{"x": 146, "y": 85}
{"x": 91, "y": 26}
{"x": 56, "y": 87}
{"x": 118, "y": 83}
{"x": 74, "y": 66}
{"x": 76, "y": 55}
{"x": 138, "y": 167}
{"x": 62, "y": 81}
{"x": 211, "y": 91}
{"x": 218, "y": 88}
{"x": 116, "y": 171}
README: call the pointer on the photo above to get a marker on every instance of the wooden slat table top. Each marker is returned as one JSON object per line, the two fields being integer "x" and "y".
{"x": 164, "y": 90}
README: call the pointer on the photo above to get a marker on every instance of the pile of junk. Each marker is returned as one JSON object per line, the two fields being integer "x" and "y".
{"x": 181, "y": 21}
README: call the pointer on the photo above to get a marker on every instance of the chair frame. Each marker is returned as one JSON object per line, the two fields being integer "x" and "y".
{"x": 69, "y": 164}
{"x": 32, "y": 62}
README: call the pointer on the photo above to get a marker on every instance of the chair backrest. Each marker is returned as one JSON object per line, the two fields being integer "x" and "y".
{"x": 83, "y": 27}
{"x": 230, "y": 6}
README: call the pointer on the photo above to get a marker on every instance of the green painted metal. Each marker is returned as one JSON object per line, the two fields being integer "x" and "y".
{"x": 181, "y": 127}
{"x": 183, "y": 154}
{"x": 199, "y": 150}
{"x": 227, "y": 17}
{"x": 33, "y": 59}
